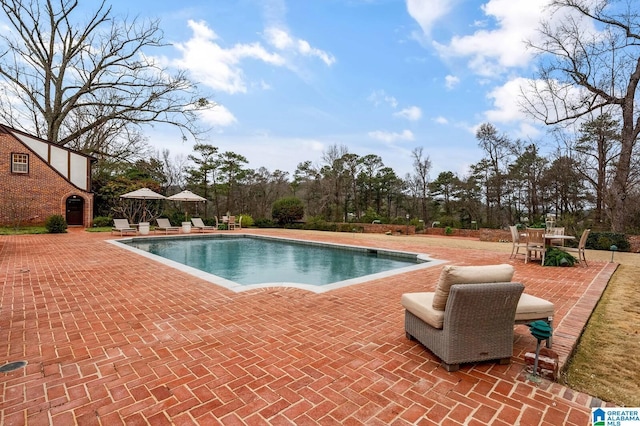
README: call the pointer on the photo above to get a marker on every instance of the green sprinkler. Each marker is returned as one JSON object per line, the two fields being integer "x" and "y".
{"x": 541, "y": 330}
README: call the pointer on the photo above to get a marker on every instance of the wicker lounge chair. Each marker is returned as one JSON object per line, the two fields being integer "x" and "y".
{"x": 165, "y": 225}
{"x": 472, "y": 326}
{"x": 122, "y": 226}
{"x": 477, "y": 325}
{"x": 199, "y": 225}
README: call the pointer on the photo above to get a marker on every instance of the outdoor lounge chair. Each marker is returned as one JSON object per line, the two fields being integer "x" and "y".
{"x": 199, "y": 225}
{"x": 122, "y": 226}
{"x": 165, "y": 225}
{"x": 470, "y": 316}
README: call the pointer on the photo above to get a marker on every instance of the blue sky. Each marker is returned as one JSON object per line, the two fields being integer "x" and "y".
{"x": 294, "y": 77}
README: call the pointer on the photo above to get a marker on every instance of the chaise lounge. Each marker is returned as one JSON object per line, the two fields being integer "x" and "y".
{"x": 165, "y": 225}
{"x": 199, "y": 225}
{"x": 470, "y": 316}
{"x": 122, "y": 226}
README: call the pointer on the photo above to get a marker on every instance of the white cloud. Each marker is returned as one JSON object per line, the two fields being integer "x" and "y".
{"x": 493, "y": 51}
{"x": 218, "y": 116}
{"x": 215, "y": 66}
{"x": 451, "y": 81}
{"x": 506, "y": 105}
{"x": 507, "y": 100}
{"x": 283, "y": 41}
{"x": 390, "y": 137}
{"x": 441, "y": 120}
{"x": 278, "y": 38}
{"x": 412, "y": 113}
{"x": 428, "y": 12}
{"x": 378, "y": 97}
{"x": 306, "y": 49}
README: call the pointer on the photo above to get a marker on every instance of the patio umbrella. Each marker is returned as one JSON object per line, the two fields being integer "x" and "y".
{"x": 187, "y": 196}
{"x": 143, "y": 194}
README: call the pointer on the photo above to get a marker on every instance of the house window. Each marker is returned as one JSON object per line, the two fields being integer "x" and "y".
{"x": 20, "y": 163}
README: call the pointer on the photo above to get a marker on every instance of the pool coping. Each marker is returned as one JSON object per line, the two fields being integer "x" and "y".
{"x": 425, "y": 262}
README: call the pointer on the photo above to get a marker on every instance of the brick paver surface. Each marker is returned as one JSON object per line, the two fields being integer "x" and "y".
{"x": 114, "y": 338}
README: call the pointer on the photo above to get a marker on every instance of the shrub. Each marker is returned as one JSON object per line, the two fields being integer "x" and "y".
{"x": 102, "y": 221}
{"x": 56, "y": 224}
{"x": 247, "y": 220}
{"x": 557, "y": 257}
{"x": 175, "y": 216}
{"x": 317, "y": 223}
{"x": 369, "y": 216}
{"x": 264, "y": 223}
{"x": 604, "y": 240}
{"x": 419, "y": 224}
{"x": 448, "y": 230}
{"x": 448, "y": 221}
{"x": 210, "y": 221}
{"x": 287, "y": 210}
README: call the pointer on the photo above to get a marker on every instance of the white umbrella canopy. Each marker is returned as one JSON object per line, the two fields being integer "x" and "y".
{"x": 143, "y": 194}
{"x": 187, "y": 196}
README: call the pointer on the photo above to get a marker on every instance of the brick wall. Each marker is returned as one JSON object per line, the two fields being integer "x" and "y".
{"x": 380, "y": 228}
{"x": 37, "y": 195}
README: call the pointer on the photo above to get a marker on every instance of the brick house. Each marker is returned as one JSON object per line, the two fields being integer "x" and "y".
{"x": 39, "y": 179}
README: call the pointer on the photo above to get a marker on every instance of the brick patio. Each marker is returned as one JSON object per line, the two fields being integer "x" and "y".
{"x": 114, "y": 338}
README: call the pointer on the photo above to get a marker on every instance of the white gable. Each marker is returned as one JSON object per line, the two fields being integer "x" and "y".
{"x": 74, "y": 167}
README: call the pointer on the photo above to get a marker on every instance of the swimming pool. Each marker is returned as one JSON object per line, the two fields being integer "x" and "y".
{"x": 241, "y": 262}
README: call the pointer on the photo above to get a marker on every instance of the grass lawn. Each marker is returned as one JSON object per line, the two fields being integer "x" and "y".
{"x": 606, "y": 362}
{"x": 5, "y": 230}
{"x": 99, "y": 229}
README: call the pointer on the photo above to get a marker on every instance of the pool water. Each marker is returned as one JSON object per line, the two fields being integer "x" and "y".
{"x": 247, "y": 261}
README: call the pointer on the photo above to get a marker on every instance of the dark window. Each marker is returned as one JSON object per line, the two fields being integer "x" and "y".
{"x": 19, "y": 163}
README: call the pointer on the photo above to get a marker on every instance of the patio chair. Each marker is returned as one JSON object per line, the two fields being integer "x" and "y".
{"x": 199, "y": 225}
{"x": 580, "y": 250}
{"x": 231, "y": 223}
{"x": 517, "y": 243}
{"x": 165, "y": 225}
{"x": 122, "y": 226}
{"x": 535, "y": 243}
{"x": 558, "y": 242}
{"x": 434, "y": 318}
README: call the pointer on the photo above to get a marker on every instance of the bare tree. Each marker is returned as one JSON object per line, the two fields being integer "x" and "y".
{"x": 583, "y": 72}
{"x": 334, "y": 171}
{"x": 420, "y": 180}
{"x": 597, "y": 147}
{"x": 499, "y": 151}
{"x": 65, "y": 81}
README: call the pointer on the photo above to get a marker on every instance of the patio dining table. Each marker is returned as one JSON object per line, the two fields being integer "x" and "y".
{"x": 549, "y": 237}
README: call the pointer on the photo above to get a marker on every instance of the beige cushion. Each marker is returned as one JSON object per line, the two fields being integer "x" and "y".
{"x": 533, "y": 308}
{"x": 420, "y": 305}
{"x": 452, "y": 274}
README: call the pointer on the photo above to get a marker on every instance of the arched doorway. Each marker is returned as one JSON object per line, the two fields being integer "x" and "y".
{"x": 75, "y": 210}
